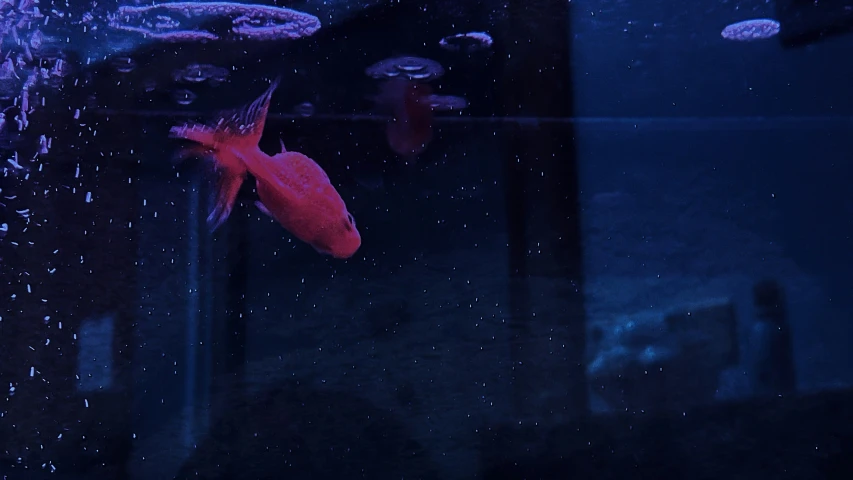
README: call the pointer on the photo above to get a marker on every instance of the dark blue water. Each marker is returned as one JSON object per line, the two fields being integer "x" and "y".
{"x": 627, "y": 255}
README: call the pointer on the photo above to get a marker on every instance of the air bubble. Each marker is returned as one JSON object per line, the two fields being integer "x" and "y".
{"x": 305, "y": 109}
{"x": 184, "y": 97}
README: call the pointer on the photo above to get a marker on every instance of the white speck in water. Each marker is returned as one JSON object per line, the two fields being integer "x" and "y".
{"x": 88, "y": 197}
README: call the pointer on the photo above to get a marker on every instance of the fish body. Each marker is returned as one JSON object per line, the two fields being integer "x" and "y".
{"x": 308, "y": 206}
{"x": 292, "y": 189}
{"x": 410, "y": 130}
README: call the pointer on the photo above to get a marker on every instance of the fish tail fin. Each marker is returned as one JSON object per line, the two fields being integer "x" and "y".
{"x": 252, "y": 117}
{"x": 229, "y": 174}
{"x": 203, "y": 135}
{"x": 232, "y": 133}
{"x": 227, "y": 187}
{"x": 238, "y": 128}
{"x": 191, "y": 152}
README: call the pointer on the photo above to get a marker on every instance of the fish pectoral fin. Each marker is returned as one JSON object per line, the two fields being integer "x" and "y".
{"x": 281, "y": 142}
{"x": 263, "y": 208}
{"x": 195, "y": 151}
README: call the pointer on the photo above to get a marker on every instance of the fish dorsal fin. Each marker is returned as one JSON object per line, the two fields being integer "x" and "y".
{"x": 247, "y": 123}
{"x": 283, "y": 149}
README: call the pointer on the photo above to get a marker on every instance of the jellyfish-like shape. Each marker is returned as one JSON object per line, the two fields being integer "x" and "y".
{"x": 411, "y": 68}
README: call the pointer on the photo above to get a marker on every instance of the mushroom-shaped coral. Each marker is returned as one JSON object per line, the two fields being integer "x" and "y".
{"x": 412, "y": 68}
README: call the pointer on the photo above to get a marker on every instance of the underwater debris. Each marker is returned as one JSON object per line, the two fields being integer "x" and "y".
{"x": 169, "y": 21}
{"x": 446, "y": 102}
{"x": 44, "y": 145}
{"x": 29, "y": 57}
{"x": 10, "y": 82}
{"x": 14, "y": 162}
{"x": 37, "y": 40}
{"x": 466, "y": 42}
{"x": 199, "y": 73}
{"x": 7, "y": 70}
{"x": 749, "y": 30}
{"x": 413, "y": 68}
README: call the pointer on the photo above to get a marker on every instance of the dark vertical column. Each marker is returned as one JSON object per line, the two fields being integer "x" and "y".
{"x": 543, "y": 214}
{"x": 228, "y": 327}
{"x": 208, "y": 263}
{"x": 114, "y": 252}
{"x": 774, "y": 368}
{"x": 235, "y": 312}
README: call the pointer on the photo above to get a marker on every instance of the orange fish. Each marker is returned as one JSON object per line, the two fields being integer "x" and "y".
{"x": 292, "y": 188}
{"x": 410, "y": 130}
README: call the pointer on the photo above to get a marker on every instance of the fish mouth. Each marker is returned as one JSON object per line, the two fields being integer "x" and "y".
{"x": 332, "y": 253}
{"x": 341, "y": 253}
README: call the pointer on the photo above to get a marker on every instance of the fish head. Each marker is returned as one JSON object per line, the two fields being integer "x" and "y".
{"x": 339, "y": 238}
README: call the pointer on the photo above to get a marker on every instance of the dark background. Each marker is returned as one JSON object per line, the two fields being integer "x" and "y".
{"x": 454, "y": 344}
